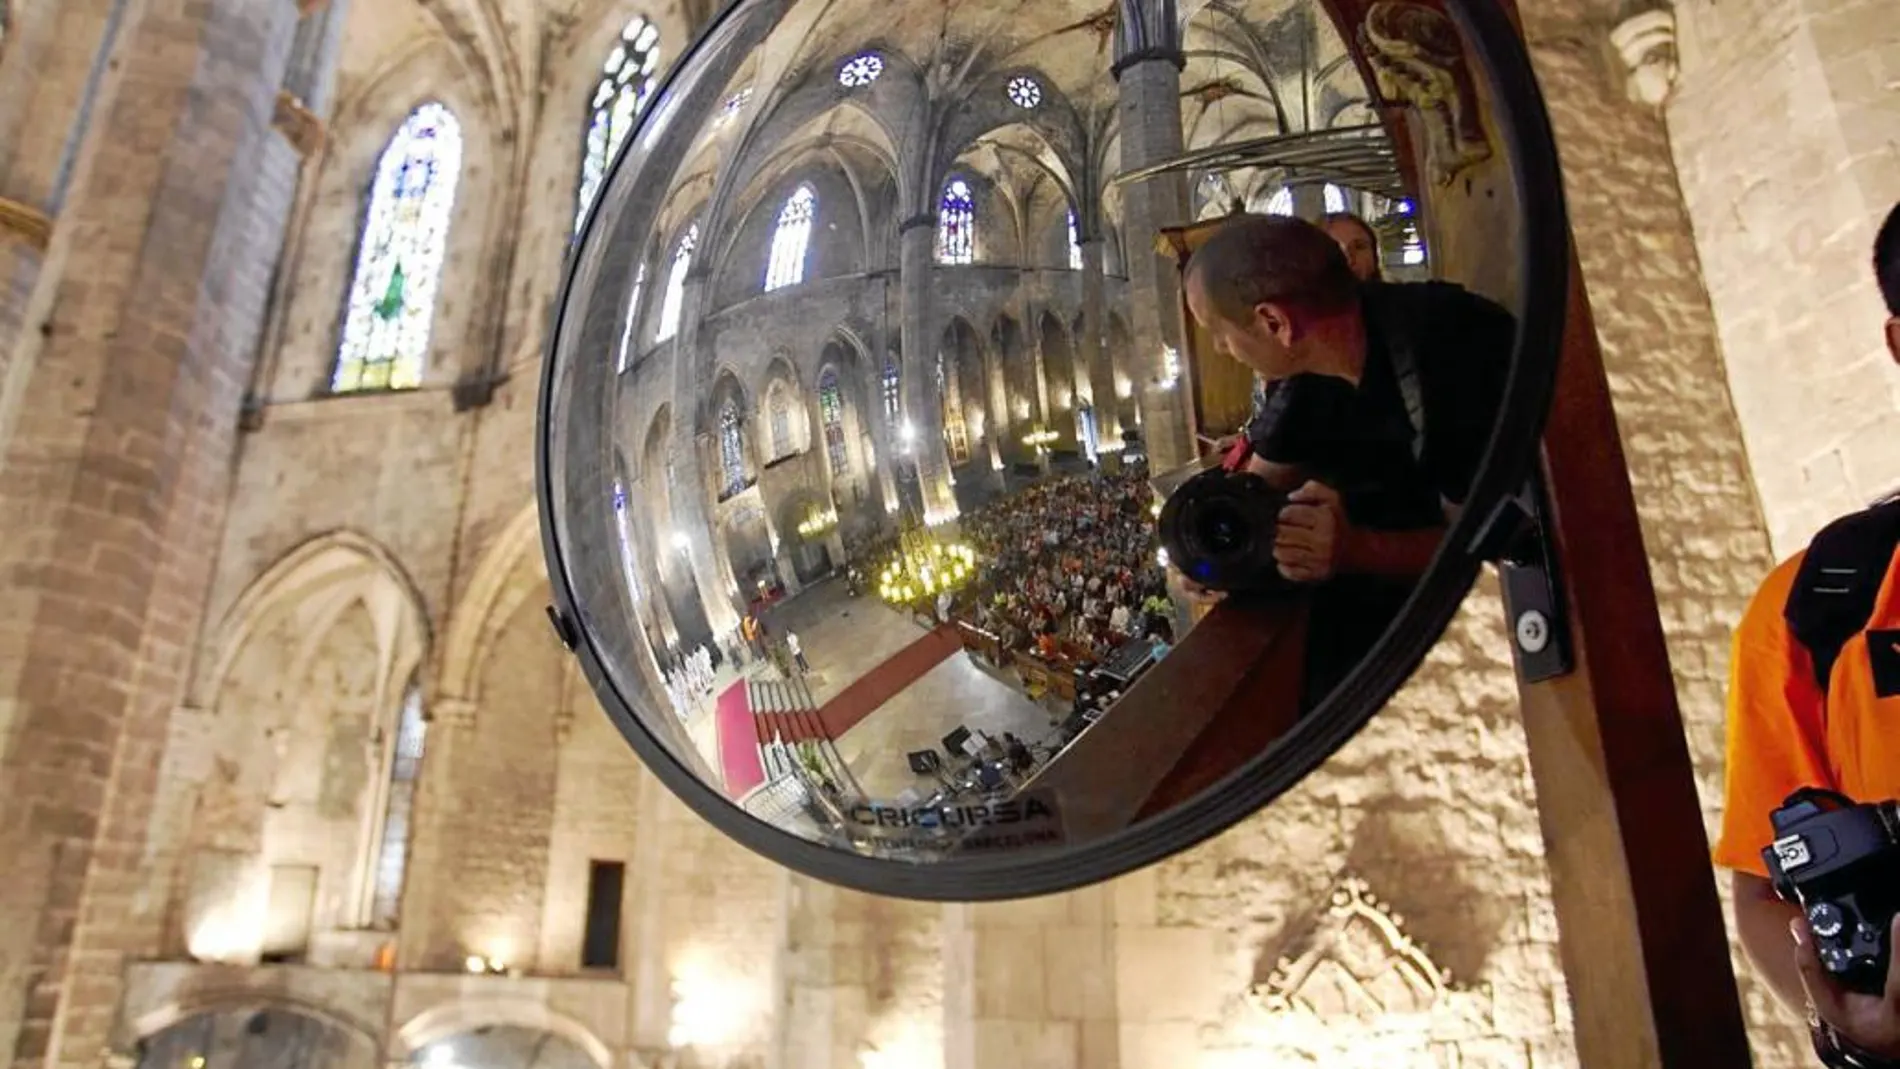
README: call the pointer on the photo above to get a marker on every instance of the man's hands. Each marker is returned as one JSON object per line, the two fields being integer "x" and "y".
{"x": 1870, "y": 1022}
{"x": 1313, "y": 527}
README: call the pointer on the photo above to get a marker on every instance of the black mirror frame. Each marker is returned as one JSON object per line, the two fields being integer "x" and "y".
{"x": 1544, "y": 271}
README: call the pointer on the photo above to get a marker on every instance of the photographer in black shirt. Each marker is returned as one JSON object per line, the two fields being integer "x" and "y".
{"x": 1421, "y": 370}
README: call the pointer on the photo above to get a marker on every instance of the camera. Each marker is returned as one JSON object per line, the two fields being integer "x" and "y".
{"x": 1840, "y": 862}
{"x": 1218, "y": 529}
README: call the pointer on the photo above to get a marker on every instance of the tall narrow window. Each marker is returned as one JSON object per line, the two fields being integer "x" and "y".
{"x": 791, "y": 241}
{"x": 1281, "y": 203}
{"x": 956, "y": 436}
{"x": 623, "y": 524}
{"x": 781, "y": 422}
{"x": 399, "y": 266}
{"x": 1335, "y": 199}
{"x": 633, "y": 316}
{"x": 600, "y": 941}
{"x": 731, "y": 449}
{"x": 676, "y": 285}
{"x": 831, "y": 412}
{"x": 405, "y": 767}
{"x": 956, "y": 224}
{"x": 893, "y": 396}
{"x": 626, "y": 79}
{"x": 1075, "y": 245}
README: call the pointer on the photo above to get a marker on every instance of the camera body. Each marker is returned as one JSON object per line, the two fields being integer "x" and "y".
{"x": 1840, "y": 862}
{"x": 1218, "y": 529}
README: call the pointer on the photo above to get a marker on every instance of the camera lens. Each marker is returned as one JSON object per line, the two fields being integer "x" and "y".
{"x": 1224, "y": 534}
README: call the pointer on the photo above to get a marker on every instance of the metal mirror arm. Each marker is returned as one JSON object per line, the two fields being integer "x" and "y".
{"x": 1516, "y": 536}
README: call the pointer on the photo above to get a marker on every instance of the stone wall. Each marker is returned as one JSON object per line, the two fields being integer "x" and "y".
{"x": 1784, "y": 129}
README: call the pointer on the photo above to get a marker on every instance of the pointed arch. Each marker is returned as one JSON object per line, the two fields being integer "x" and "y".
{"x": 392, "y": 295}
{"x": 626, "y": 81}
{"x": 791, "y": 242}
{"x": 466, "y": 1014}
{"x": 462, "y": 641}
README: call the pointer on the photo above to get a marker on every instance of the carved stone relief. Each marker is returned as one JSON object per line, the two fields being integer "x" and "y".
{"x": 1357, "y": 965}
{"x": 1418, "y": 59}
{"x": 1647, "y": 44}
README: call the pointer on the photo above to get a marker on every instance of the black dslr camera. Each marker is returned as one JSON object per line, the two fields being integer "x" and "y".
{"x": 1218, "y": 526}
{"x": 1840, "y": 862}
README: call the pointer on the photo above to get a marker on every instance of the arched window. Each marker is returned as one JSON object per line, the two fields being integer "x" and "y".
{"x": 1281, "y": 203}
{"x": 676, "y": 285}
{"x": 1335, "y": 199}
{"x": 625, "y": 80}
{"x": 791, "y": 241}
{"x": 831, "y": 412}
{"x": 399, "y": 266}
{"x": 956, "y": 224}
{"x": 623, "y": 523}
{"x": 781, "y": 406}
{"x": 956, "y": 436}
{"x": 1075, "y": 245}
{"x": 633, "y": 316}
{"x": 731, "y": 450}
{"x": 392, "y": 858}
{"x": 893, "y": 396}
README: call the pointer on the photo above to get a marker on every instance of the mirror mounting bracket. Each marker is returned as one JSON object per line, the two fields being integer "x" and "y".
{"x": 1516, "y": 537}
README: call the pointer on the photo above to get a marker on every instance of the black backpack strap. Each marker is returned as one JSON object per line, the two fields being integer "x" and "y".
{"x": 1840, "y": 578}
{"x": 1396, "y": 327}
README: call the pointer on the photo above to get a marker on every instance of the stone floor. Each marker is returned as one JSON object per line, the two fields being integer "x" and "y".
{"x": 845, "y": 637}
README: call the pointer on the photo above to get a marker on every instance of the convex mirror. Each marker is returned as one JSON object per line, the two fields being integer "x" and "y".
{"x": 987, "y": 448}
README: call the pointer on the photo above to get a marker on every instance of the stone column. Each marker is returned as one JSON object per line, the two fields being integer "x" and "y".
{"x": 1148, "y": 69}
{"x": 923, "y": 400}
{"x": 691, "y": 490}
{"x": 1038, "y": 974}
{"x": 113, "y": 486}
{"x": 1092, "y": 349}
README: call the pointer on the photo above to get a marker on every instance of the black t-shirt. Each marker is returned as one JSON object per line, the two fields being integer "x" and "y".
{"x": 1391, "y": 473}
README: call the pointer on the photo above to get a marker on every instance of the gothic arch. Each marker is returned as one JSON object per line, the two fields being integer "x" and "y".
{"x": 339, "y": 560}
{"x": 198, "y": 1004}
{"x": 467, "y": 1014}
{"x": 470, "y": 620}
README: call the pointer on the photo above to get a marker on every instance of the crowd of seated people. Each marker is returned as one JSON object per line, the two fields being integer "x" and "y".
{"x": 1067, "y": 568}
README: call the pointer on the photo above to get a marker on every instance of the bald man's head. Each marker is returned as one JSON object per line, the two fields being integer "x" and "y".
{"x": 1253, "y": 260}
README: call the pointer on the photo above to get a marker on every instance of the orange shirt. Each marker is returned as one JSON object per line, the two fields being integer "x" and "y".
{"x": 1785, "y": 734}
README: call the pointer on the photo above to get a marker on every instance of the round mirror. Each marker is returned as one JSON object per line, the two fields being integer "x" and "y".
{"x": 988, "y": 448}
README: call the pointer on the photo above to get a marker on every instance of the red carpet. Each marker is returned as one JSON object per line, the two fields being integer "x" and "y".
{"x": 738, "y": 742}
{"x": 887, "y": 680}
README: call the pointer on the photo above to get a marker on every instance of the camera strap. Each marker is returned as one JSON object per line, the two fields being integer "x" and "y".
{"x": 1399, "y": 338}
{"x": 1839, "y": 581}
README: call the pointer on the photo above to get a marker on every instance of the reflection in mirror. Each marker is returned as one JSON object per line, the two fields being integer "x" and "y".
{"x": 995, "y": 461}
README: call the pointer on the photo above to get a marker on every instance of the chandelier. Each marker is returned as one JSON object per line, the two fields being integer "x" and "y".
{"x": 924, "y": 567}
{"x": 817, "y": 524}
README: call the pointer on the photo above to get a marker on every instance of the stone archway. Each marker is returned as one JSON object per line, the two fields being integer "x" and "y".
{"x": 256, "y": 1037}
{"x": 500, "y": 1033}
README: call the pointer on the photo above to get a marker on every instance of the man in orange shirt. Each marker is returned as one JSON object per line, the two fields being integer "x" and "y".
{"x": 1796, "y": 720}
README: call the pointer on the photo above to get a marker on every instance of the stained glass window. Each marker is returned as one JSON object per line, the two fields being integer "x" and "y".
{"x": 731, "y": 449}
{"x": 1025, "y": 92}
{"x": 831, "y": 412}
{"x": 861, "y": 71}
{"x": 633, "y": 316}
{"x": 1335, "y": 199}
{"x": 1281, "y": 203}
{"x": 791, "y": 241}
{"x": 1411, "y": 243}
{"x": 404, "y": 767}
{"x": 623, "y": 522}
{"x": 626, "y": 79}
{"x": 676, "y": 285}
{"x": 781, "y": 423}
{"x": 399, "y": 266}
{"x": 956, "y": 224}
{"x": 893, "y": 398}
{"x": 1075, "y": 245}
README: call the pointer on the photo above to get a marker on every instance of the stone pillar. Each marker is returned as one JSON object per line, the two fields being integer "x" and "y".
{"x": 1092, "y": 348}
{"x": 1148, "y": 69}
{"x": 116, "y": 472}
{"x": 923, "y": 400}
{"x": 1034, "y": 975}
{"x": 691, "y": 490}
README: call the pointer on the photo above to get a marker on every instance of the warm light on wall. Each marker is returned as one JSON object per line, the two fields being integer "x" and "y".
{"x": 1124, "y": 389}
{"x": 903, "y": 1043}
{"x": 226, "y": 923}
{"x": 1170, "y": 368}
{"x": 681, "y": 542}
{"x": 709, "y": 1003}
